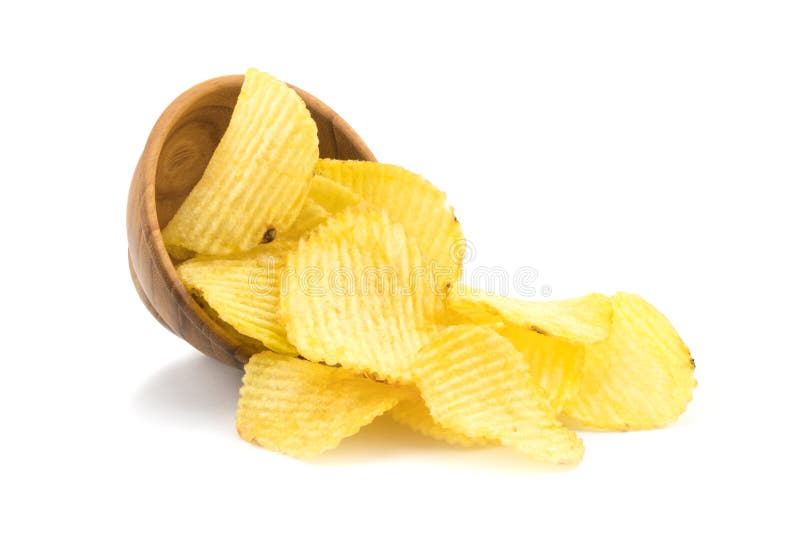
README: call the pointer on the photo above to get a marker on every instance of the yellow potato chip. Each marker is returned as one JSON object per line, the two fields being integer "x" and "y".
{"x": 246, "y": 345}
{"x": 413, "y": 413}
{"x": 179, "y": 254}
{"x": 302, "y": 408}
{"x": 331, "y": 195}
{"x": 585, "y": 319}
{"x": 257, "y": 178}
{"x": 475, "y": 382}
{"x": 555, "y": 363}
{"x": 641, "y": 377}
{"x": 311, "y": 215}
{"x": 358, "y": 295}
{"x": 410, "y": 200}
{"x": 244, "y": 290}
{"x": 450, "y": 317}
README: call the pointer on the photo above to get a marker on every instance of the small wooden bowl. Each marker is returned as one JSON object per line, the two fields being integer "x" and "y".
{"x": 174, "y": 158}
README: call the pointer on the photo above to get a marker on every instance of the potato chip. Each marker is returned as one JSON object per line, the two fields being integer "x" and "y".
{"x": 179, "y": 254}
{"x": 246, "y": 345}
{"x": 302, "y": 408}
{"x": 414, "y": 414}
{"x": 311, "y": 215}
{"x": 358, "y": 295}
{"x": 641, "y": 377}
{"x": 257, "y": 178}
{"x": 244, "y": 291}
{"x": 475, "y": 382}
{"x": 331, "y": 195}
{"x": 410, "y": 200}
{"x": 556, "y": 364}
{"x": 585, "y": 319}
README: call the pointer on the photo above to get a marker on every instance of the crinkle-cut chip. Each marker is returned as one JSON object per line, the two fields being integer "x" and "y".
{"x": 179, "y": 254}
{"x": 302, "y": 408}
{"x": 311, "y": 215}
{"x": 245, "y": 344}
{"x": 412, "y": 201}
{"x": 584, "y": 319}
{"x": 555, "y": 363}
{"x": 244, "y": 290}
{"x": 476, "y": 382}
{"x": 331, "y": 195}
{"x": 450, "y": 317}
{"x": 641, "y": 377}
{"x": 357, "y": 294}
{"x": 413, "y": 413}
{"x": 258, "y": 176}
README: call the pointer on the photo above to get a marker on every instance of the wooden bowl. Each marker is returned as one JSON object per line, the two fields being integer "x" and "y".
{"x": 174, "y": 158}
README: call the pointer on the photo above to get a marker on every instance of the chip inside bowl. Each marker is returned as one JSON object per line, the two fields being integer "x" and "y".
{"x": 258, "y": 176}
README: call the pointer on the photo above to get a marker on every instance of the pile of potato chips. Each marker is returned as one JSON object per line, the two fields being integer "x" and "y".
{"x": 347, "y": 275}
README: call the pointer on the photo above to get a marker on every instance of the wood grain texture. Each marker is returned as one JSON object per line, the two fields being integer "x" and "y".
{"x": 174, "y": 158}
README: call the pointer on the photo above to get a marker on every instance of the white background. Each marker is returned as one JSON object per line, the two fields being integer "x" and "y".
{"x": 610, "y": 145}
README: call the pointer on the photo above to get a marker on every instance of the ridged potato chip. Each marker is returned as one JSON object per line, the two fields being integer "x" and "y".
{"x": 257, "y": 178}
{"x": 245, "y": 344}
{"x": 311, "y": 215}
{"x": 331, "y": 195}
{"x": 584, "y": 319}
{"x": 244, "y": 291}
{"x": 556, "y": 364}
{"x": 179, "y": 254}
{"x": 414, "y": 414}
{"x": 476, "y": 382}
{"x": 641, "y": 377}
{"x": 358, "y": 295}
{"x": 410, "y": 200}
{"x": 302, "y": 408}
